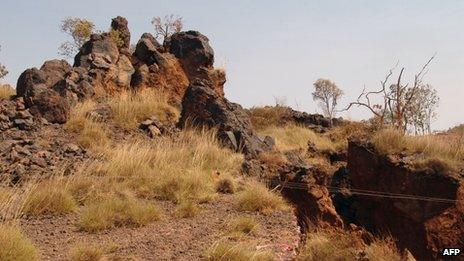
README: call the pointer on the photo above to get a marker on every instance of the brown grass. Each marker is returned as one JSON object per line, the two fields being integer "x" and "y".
{"x": 290, "y": 137}
{"x": 91, "y": 133}
{"x": 14, "y": 246}
{"x": 383, "y": 250}
{"x": 434, "y": 152}
{"x": 225, "y": 184}
{"x": 324, "y": 245}
{"x": 50, "y": 197}
{"x": 256, "y": 197}
{"x": 244, "y": 225}
{"x": 267, "y": 117}
{"x": 6, "y": 91}
{"x": 130, "y": 108}
{"x": 236, "y": 252}
{"x": 91, "y": 252}
{"x": 117, "y": 212}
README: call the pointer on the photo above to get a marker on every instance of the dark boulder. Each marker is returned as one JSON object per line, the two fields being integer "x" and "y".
{"x": 120, "y": 24}
{"x": 36, "y": 88}
{"x": 147, "y": 52}
{"x": 99, "y": 52}
{"x": 55, "y": 70}
{"x": 202, "y": 106}
{"x": 194, "y": 52}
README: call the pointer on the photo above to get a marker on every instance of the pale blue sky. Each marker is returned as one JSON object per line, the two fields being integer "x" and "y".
{"x": 275, "y": 48}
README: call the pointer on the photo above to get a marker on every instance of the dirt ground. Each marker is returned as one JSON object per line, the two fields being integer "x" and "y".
{"x": 171, "y": 238}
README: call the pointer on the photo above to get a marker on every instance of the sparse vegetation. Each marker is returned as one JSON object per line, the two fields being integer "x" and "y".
{"x": 383, "y": 250}
{"x": 86, "y": 252}
{"x": 3, "y": 71}
{"x": 91, "y": 133}
{"x": 267, "y": 117}
{"x": 6, "y": 91}
{"x": 327, "y": 245}
{"x": 79, "y": 30}
{"x": 291, "y": 137}
{"x": 164, "y": 28}
{"x": 116, "y": 212}
{"x": 14, "y": 246}
{"x": 225, "y": 184}
{"x": 256, "y": 197}
{"x": 130, "y": 108}
{"x": 432, "y": 151}
{"x": 50, "y": 197}
{"x": 243, "y": 225}
{"x": 403, "y": 105}
{"x": 236, "y": 252}
{"x": 187, "y": 209}
{"x": 328, "y": 95}
{"x": 341, "y": 245}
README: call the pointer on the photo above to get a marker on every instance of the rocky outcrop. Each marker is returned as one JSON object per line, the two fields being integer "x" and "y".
{"x": 301, "y": 184}
{"x": 424, "y": 226}
{"x": 202, "y": 106}
{"x": 35, "y": 87}
{"x": 103, "y": 68}
{"x": 13, "y": 114}
{"x": 158, "y": 70}
{"x": 197, "y": 58}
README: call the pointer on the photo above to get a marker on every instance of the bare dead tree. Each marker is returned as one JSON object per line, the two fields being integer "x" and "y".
{"x": 396, "y": 98}
{"x": 164, "y": 28}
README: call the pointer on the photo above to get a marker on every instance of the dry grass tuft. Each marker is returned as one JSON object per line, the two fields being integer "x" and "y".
{"x": 177, "y": 169}
{"x": 117, "y": 212}
{"x": 323, "y": 245}
{"x": 383, "y": 250}
{"x": 290, "y": 137}
{"x": 434, "y": 152}
{"x": 50, "y": 197}
{"x": 225, "y": 184}
{"x": 256, "y": 197}
{"x": 187, "y": 209}
{"x": 274, "y": 159}
{"x": 6, "y": 91}
{"x": 236, "y": 252}
{"x": 130, "y": 108}
{"x": 91, "y": 252}
{"x": 267, "y": 117}
{"x": 87, "y": 252}
{"x": 342, "y": 245}
{"x": 244, "y": 225}
{"x": 14, "y": 246}
{"x": 91, "y": 132}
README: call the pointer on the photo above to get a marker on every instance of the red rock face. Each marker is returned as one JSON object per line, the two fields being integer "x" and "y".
{"x": 423, "y": 227}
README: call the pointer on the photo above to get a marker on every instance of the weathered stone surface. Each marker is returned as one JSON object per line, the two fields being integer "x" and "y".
{"x": 99, "y": 52}
{"x": 422, "y": 226}
{"x": 35, "y": 87}
{"x": 203, "y": 106}
{"x": 197, "y": 58}
{"x": 302, "y": 185}
{"x": 157, "y": 70}
{"x": 120, "y": 24}
{"x": 147, "y": 52}
{"x": 193, "y": 50}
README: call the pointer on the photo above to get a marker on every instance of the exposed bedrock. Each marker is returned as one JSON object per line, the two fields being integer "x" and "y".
{"x": 202, "y": 106}
{"x": 424, "y": 227}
